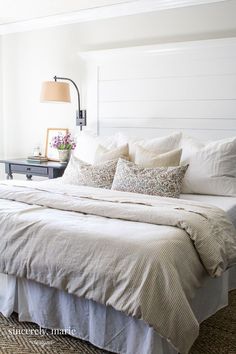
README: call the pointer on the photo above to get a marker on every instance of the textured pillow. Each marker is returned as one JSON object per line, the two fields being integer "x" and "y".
{"x": 146, "y": 158}
{"x": 156, "y": 145}
{"x": 212, "y": 169}
{"x": 161, "y": 181}
{"x": 83, "y": 174}
{"x": 103, "y": 154}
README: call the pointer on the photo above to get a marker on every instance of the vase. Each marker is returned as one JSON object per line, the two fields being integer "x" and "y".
{"x": 64, "y": 155}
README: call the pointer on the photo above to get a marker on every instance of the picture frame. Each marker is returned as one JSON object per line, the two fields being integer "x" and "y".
{"x": 50, "y": 152}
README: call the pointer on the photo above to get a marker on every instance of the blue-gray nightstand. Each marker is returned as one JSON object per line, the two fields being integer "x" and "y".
{"x": 48, "y": 169}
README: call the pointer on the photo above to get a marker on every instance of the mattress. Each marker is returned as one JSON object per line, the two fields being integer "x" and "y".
{"x": 228, "y": 204}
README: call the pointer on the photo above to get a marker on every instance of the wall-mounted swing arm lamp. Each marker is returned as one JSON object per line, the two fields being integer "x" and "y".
{"x": 55, "y": 91}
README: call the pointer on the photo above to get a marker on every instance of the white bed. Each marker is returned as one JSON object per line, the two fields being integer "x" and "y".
{"x": 103, "y": 326}
{"x": 147, "y": 92}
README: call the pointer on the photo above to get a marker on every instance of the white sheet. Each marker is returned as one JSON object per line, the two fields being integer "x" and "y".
{"x": 228, "y": 204}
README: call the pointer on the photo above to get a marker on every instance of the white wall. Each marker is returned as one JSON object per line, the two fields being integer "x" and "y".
{"x": 27, "y": 61}
{"x": 1, "y": 110}
{"x": 31, "y": 57}
{"x": 1, "y": 103}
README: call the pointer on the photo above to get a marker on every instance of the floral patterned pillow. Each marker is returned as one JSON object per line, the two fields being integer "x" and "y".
{"x": 161, "y": 181}
{"x": 82, "y": 173}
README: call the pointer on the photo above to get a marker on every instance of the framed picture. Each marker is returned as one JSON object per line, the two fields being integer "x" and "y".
{"x": 51, "y": 153}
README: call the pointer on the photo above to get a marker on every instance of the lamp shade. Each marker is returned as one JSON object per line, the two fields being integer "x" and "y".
{"x": 55, "y": 91}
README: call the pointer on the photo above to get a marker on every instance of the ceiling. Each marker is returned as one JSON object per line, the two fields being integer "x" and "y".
{"x": 22, "y": 10}
{"x": 23, "y": 15}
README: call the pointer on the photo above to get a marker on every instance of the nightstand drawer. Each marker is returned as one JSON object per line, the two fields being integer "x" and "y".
{"x": 29, "y": 169}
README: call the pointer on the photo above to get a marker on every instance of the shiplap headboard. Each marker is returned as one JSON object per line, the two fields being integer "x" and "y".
{"x": 153, "y": 90}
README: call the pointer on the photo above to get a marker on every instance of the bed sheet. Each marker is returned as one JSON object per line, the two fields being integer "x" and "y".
{"x": 228, "y": 204}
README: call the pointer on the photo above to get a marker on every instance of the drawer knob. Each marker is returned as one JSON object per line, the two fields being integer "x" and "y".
{"x": 28, "y": 168}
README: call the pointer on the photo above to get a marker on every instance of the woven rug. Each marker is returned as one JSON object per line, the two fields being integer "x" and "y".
{"x": 217, "y": 336}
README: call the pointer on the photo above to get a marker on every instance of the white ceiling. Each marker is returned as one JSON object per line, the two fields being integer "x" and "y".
{"x": 22, "y": 15}
{"x": 21, "y": 10}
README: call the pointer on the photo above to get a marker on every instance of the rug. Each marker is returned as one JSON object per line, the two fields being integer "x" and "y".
{"x": 217, "y": 336}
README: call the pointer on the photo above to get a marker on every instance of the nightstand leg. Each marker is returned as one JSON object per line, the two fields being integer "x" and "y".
{"x": 9, "y": 176}
{"x": 29, "y": 177}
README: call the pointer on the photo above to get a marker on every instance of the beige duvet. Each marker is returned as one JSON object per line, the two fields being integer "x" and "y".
{"x": 142, "y": 255}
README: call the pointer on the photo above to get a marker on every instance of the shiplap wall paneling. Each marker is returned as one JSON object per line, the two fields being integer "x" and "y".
{"x": 169, "y": 89}
{"x": 151, "y": 91}
{"x": 195, "y": 109}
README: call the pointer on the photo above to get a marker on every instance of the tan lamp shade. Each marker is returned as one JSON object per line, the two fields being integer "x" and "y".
{"x": 55, "y": 91}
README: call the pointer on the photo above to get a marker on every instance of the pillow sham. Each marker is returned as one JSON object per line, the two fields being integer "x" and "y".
{"x": 87, "y": 144}
{"x": 146, "y": 158}
{"x": 103, "y": 154}
{"x": 190, "y": 145}
{"x": 157, "y": 145}
{"x": 212, "y": 169}
{"x": 81, "y": 173}
{"x": 161, "y": 181}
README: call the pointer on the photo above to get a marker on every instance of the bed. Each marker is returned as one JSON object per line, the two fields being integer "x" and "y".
{"x": 147, "y": 92}
{"x": 95, "y": 319}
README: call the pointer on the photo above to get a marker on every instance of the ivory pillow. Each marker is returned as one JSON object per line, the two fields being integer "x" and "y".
{"x": 190, "y": 145}
{"x": 87, "y": 144}
{"x": 157, "y": 145}
{"x": 161, "y": 181}
{"x": 212, "y": 169}
{"x": 146, "y": 158}
{"x": 103, "y": 154}
{"x": 81, "y": 173}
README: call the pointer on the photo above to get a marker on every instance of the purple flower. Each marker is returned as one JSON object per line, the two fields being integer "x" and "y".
{"x": 63, "y": 142}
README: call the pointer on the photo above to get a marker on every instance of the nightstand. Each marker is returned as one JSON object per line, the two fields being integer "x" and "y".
{"x": 48, "y": 169}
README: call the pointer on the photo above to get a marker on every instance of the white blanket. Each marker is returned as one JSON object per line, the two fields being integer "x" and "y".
{"x": 142, "y": 255}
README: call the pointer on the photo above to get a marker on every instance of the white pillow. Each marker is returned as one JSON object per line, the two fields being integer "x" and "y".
{"x": 189, "y": 146}
{"x": 212, "y": 169}
{"x": 87, "y": 144}
{"x": 103, "y": 154}
{"x": 146, "y": 158}
{"x": 157, "y": 145}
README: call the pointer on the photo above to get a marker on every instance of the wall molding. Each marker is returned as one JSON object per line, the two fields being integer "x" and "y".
{"x": 116, "y": 10}
{"x": 99, "y": 56}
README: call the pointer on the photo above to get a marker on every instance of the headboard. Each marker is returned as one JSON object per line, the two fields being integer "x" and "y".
{"x": 153, "y": 90}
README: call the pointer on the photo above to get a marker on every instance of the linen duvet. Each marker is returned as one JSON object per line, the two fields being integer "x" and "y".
{"x": 142, "y": 255}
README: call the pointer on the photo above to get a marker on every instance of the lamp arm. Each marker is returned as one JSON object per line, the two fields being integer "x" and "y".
{"x": 76, "y": 87}
{"x": 81, "y": 116}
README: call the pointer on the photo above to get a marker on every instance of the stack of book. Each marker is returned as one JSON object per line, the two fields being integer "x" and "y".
{"x": 37, "y": 159}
